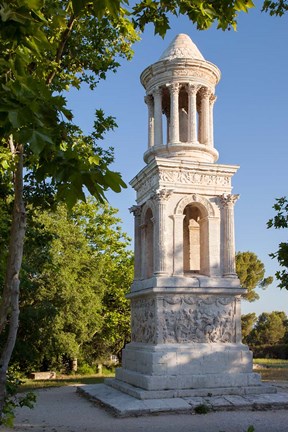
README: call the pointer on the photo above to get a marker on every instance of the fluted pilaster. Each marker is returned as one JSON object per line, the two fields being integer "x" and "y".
{"x": 136, "y": 210}
{"x": 229, "y": 267}
{"x": 158, "y": 128}
{"x": 212, "y": 100}
{"x": 204, "y": 115}
{"x": 150, "y": 104}
{"x": 160, "y": 197}
{"x": 192, "y": 113}
{"x": 174, "y": 113}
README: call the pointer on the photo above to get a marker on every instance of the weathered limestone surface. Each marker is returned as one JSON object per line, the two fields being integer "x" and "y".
{"x": 185, "y": 298}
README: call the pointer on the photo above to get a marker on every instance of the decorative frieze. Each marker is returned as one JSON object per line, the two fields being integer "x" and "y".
{"x": 147, "y": 185}
{"x": 190, "y": 177}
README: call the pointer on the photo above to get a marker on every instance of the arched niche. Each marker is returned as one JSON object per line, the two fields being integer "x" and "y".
{"x": 196, "y": 211}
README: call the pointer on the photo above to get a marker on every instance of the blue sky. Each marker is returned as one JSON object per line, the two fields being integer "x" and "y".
{"x": 250, "y": 125}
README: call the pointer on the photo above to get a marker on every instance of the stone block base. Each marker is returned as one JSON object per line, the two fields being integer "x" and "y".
{"x": 141, "y": 394}
{"x": 174, "y": 370}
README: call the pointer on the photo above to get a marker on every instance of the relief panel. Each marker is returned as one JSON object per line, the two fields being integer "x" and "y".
{"x": 197, "y": 319}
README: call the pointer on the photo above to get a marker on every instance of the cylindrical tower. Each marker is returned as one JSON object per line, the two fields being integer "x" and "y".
{"x": 180, "y": 89}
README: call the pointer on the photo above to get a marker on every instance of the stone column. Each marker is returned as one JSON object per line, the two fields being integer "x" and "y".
{"x": 136, "y": 210}
{"x": 142, "y": 257}
{"x": 211, "y": 129}
{"x": 158, "y": 132}
{"x": 192, "y": 113}
{"x": 178, "y": 244}
{"x": 174, "y": 113}
{"x": 204, "y": 115}
{"x": 160, "y": 197}
{"x": 150, "y": 104}
{"x": 229, "y": 267}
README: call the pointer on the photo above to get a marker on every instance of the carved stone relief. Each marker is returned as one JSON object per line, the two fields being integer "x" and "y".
{"x": 143, "y": 321}
{"x": 147, "y": 185}
{"x": 190, "y": 177}
{"x": 200, "y": 320}
{"x": 184, "y": 319}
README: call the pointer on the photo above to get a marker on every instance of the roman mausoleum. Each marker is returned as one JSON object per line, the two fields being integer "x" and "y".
{"x": 185, "y": 298}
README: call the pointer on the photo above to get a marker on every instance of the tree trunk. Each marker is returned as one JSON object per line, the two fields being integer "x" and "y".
{"x": 9, "y": 310}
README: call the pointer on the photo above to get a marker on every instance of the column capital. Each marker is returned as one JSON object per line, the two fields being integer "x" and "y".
{"x": 205, "y": 92}
{"x": 148, "y": 99}
{"x": 157, "y": 91}
{"x": 173, "y": 87}
{"x": 228, "y": 199}
{"x": 212, "y": 99}
{"x": 161, "y": 195}
{"x": 193, "y": 89}
{"x": 136, "y": 210}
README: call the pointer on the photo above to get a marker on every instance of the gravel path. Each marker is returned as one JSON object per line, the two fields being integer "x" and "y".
{"x": 63, "y": 410}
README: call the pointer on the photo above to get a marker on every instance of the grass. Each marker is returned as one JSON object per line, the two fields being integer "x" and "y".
{"x": 62, "y": 380}
{"x": 272, "y": 369}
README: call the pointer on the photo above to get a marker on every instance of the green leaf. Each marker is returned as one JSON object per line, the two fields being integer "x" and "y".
{"x": 79, "y": 6}
{"x": 14, "y": 119}
{"x": 38, "y": 141}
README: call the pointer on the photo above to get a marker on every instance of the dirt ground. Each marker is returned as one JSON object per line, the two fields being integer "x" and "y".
{"x": 63, "y": 410}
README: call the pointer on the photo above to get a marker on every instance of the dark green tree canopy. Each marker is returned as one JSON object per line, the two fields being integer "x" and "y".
{"x": 76, "y": 271}
{"x": 247, "y": 324}
{"x": 251, "y": 272}
{"x": 270, "y": 328}
{"x": 281, "y": 221}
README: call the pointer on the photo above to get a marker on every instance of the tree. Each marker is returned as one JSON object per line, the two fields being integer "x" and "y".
{"x": 251, "y": 271}
{"x": 247, "y": 324}
{"x": 281, "y": 221}
{"x": 72, "y": 261}
{"x": 270, "y": 329}
{"x": 39, "y": 41}
{"x": 275, "y": 8}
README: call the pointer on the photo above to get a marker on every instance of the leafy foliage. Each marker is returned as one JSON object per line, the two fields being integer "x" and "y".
{"x": 13, "y": 400}
{"x": 277, "y": 8}
{"x": 270, "y": 328}
{"x": 46, "y": 49}
{"x": 73, "y": 262}
{"x": 251, "y": 271}
{"x": 247, "y": 324}
{"x": 281, "y": 221}
{"x": 203, "y": 13}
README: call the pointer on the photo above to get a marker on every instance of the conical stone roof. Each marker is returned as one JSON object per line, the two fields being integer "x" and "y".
{"x": 182, "y": 47}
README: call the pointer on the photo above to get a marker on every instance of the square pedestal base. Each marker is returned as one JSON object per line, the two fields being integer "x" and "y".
{"x": 170, "y": 370}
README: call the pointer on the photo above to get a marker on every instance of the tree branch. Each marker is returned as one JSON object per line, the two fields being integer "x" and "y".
{"x": 60, "y": 49}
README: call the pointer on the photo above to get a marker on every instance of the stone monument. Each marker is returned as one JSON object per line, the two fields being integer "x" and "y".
{"x": 185, "y": 298}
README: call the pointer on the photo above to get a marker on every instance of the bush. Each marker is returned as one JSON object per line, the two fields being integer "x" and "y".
{"x": 86, "y": 369}
{"x": 278, "y": 351}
